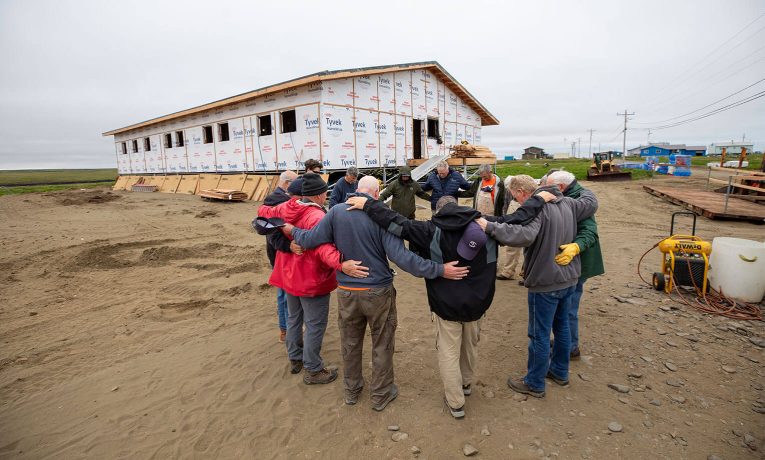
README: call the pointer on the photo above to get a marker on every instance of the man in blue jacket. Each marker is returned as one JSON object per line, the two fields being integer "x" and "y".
{"x": 344, "y": 187}
{"x": 371, "y": 300}
{"x": 444, "y": 181}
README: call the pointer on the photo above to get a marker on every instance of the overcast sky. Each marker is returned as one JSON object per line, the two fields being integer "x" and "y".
{"x": 550, "y": 71}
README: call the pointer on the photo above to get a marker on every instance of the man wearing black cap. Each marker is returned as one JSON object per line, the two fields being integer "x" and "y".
{"x": 308, "y": 279}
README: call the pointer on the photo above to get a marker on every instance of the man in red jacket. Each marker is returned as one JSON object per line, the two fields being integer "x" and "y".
{"x": 308, "y": 280}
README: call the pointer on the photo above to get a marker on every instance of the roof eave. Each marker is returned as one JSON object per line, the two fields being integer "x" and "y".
{"x": 487, "y": 119}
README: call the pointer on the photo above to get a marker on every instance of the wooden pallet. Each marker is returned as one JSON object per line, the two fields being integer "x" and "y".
{"x": 710, "y": 204}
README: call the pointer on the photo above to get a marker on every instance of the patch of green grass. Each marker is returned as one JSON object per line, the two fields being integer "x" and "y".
{"x": 55, "y": 176}
{"x": 536, "y": 168}
{"x": 17, "y": 190}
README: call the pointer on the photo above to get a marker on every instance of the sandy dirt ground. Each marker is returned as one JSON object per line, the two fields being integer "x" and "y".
{"x": 142, "y": 326}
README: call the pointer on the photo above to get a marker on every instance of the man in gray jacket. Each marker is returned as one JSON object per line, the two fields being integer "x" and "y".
{"x": 551, "y": 286}
{"x": 371, "y": 300}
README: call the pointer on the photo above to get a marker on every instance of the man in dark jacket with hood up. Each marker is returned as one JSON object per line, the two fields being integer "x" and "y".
{"x": 444, "y": 181}
{"x": 403, "y": 191}
{"x": 451, "y": 234}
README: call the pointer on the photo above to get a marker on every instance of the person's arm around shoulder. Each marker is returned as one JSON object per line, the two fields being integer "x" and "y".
{"x": 463, "y": 183}
{"x": 428, "y": 183}
{"x": 512, "y": 235}
{"x": 322, "y": 232}
{"x": 416, "y": 265}
{"x": 586, "y": 234}
{"x": 586, "y": 205}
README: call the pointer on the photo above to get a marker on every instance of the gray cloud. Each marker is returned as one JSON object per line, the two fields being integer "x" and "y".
{"x": 548, "y": 70}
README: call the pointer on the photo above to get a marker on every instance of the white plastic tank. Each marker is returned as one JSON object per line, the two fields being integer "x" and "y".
{"x": 737, "y": 268}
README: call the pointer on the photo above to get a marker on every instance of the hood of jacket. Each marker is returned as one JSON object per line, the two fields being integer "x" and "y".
{"x": 551, "y": 189}
{"x": 278, "y": 196}
{"x": 573, "y": 190}
{"x": 294, "y": 210}
{"x": 405, "y": 171}
{"x": 454, "y": 217}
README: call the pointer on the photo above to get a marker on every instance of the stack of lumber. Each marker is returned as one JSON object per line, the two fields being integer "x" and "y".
{"x": 223, "y": 194}
{"x": 142, "y": 187}
{"x": 471, "y": 151}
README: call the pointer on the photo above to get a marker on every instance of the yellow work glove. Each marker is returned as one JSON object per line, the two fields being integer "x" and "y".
{"x": 567, "y": 253}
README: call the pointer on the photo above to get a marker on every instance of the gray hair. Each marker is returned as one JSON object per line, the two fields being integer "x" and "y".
{"x": 444, "y": 200}
{"x": 352, "y": 171}
{"x": 560, "y": 177}
{"x": 484, "y": 168}
{"x": 507, "y": 182}
{"x": 287, "y": 176}
{"x": 524, "y": 183}
{"x": 442, "y": 165}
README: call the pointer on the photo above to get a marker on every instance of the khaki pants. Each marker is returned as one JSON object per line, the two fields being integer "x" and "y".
{"x": 512, "y": 262}
{"x": 457, "y": 345}
{"x": 356, "y": 309}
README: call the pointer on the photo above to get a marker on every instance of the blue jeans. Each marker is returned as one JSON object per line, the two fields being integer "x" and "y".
{"x": 281, "y": 308}
{"x": 548, "y": 311}
{"x": 314, "y": 312}
{"x": 573, "y": 314}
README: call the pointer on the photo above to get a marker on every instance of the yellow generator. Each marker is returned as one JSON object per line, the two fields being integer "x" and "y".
{"x": 684, "y": 260}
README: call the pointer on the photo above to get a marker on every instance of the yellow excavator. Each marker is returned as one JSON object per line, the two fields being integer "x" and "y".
{"x": 603, "y": 168}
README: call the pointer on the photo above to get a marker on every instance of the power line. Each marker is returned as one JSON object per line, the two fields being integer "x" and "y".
{"x": 687, "y": 71}
{"x": 679, "y": 97}
{"x": 713, "y": 112}
{"x": 702, "y": 108}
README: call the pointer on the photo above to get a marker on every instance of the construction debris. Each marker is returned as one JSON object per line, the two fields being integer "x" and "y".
{"x": 471, "y": 151}
{"x": 224, "y": 195}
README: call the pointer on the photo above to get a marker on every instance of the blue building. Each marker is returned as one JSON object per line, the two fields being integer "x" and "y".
{"x": 672, "y": 149}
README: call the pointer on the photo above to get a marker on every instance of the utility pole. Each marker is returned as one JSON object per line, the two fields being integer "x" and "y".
{"x": 649, "y": 137}
{"x": 591, "y": 131}
{"x": 624, "y": 138}
{"x": 573, "y": 149}
{"x": 578, "y": 147}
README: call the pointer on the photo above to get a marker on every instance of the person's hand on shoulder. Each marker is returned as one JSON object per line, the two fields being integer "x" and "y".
{"x": 547, "y": 196}
{"x": 296, "y": 248}
{"x": 356, "y": 202}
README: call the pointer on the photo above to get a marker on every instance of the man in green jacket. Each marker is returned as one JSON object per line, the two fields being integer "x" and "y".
{"x": 403, "y": 191}
{"x": 586, "y": 245}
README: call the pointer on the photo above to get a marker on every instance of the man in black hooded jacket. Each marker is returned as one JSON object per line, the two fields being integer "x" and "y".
{"x": 458, "y": 305}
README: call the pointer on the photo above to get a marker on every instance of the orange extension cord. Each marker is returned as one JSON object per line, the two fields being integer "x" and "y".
{"x": 715, "y": 302}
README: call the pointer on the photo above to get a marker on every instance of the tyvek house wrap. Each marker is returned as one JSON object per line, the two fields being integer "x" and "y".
{"x": 337, "y": 137}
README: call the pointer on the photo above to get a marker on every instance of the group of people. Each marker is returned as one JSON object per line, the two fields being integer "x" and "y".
{"x": 315, "y": 251}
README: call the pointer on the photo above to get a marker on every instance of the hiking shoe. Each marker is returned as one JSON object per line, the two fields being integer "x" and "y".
{"x": 352, "y": 397}
{"x": 319, "y": 377}
{"x": 456, "y": 413}
{"x": 575, "y": 354}
{"x": 521, "y": 387}
{"x": 555, "y": 379}
{"x": 503, "y": 277}
{"x": 282, "y": 335}
{"x": 467, "y": 390}
{"x": 391, "y": 396}
{"x": 296, "y": 366}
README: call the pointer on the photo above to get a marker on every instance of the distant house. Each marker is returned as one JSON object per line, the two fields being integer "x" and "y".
{"x": 731, "y": 148}
{"x": 664, "y": 149}
{"x": 534, "y": 153}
